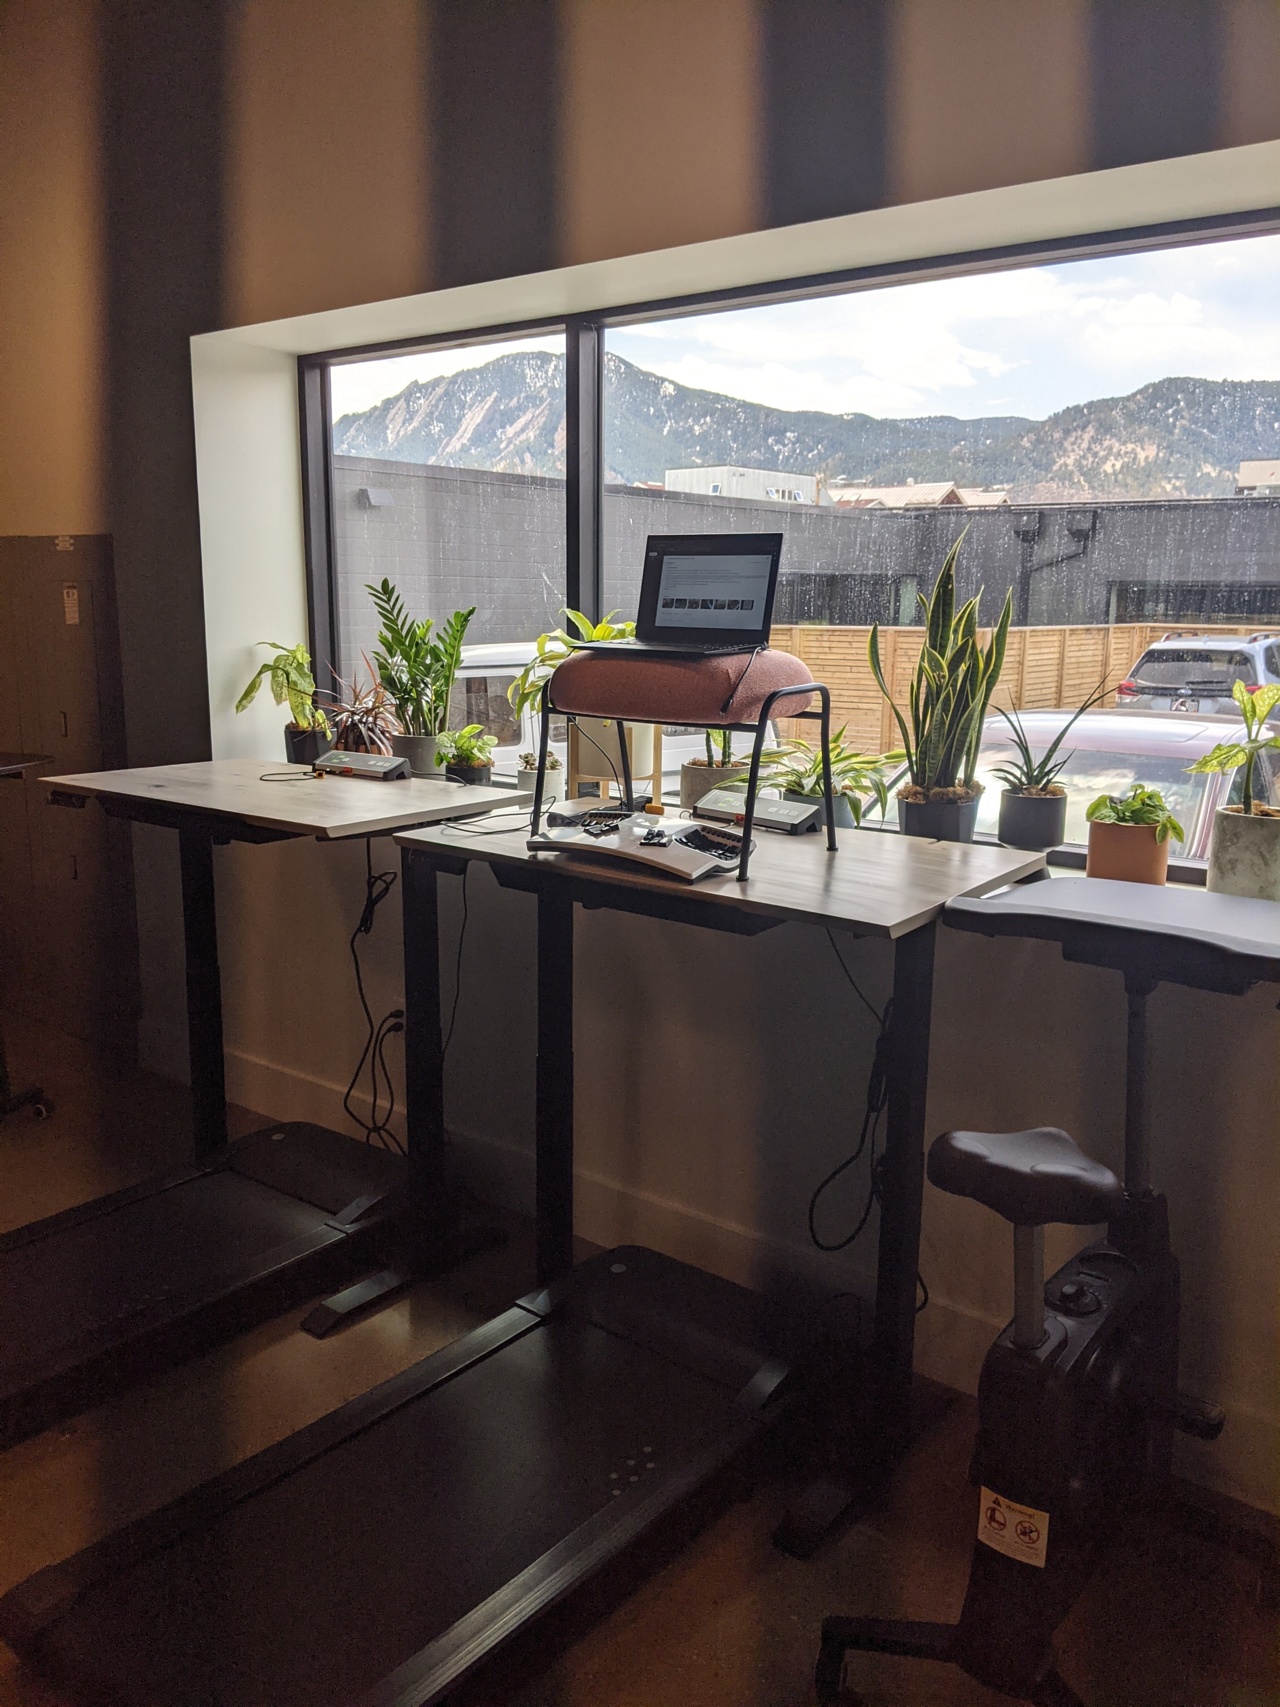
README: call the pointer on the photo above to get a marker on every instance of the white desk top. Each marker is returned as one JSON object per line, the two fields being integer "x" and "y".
{"x": 329, "y": 807}
{"x": 1232, "y": 925}
{"x": 878, "y": 884}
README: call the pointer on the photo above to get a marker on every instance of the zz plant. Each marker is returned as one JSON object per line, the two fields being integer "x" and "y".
{"x": 416, "y": 663}
{"x": 951, "y": 689}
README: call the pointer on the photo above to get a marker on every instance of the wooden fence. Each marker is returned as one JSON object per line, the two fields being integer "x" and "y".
{"x": 1043, "y": 668}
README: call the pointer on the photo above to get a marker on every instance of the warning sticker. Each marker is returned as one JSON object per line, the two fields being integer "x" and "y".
{"x": 71, "y": 604}
{"x": 1017, "y": 1531}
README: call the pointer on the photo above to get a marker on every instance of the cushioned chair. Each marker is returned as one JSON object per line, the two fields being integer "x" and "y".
{"x": 736, "y": 691}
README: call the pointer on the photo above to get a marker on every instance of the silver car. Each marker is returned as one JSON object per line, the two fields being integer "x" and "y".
{"x": 1109, "y": 750}
{"x": 1196, "y": 672}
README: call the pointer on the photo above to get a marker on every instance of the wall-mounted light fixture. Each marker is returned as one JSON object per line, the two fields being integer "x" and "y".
{"x": 376, "y": 498}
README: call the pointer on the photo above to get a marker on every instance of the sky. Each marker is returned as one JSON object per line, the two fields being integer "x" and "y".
{"x": 1027, "y": 341}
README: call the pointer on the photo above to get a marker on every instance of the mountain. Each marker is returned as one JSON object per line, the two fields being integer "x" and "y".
{"x": 1174, "y": 438}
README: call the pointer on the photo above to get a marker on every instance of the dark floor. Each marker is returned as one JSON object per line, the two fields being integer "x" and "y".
{"x": 727, "y": 1622}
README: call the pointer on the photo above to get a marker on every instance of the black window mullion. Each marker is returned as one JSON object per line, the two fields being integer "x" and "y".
{"x": 317, "y": 519}
{"x": 584, "y": 466}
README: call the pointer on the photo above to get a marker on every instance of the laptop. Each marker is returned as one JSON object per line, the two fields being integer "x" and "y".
{"x": 703, "y": 593}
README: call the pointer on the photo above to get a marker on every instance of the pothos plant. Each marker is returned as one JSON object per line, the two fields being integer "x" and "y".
{"x": 1255, "y": 708}
{"x": 951, "y": 689}
{"x": 416, "y": 663}
{"x": 554, "y": 648}
{"x": 292, "y": 683}
{"x": 1137, "y": 805}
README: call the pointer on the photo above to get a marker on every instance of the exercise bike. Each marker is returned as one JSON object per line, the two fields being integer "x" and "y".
{"x": 1077, "y": 1402}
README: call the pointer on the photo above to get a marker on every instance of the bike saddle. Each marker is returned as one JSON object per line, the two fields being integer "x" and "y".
{"x": 1030, "y": 1178}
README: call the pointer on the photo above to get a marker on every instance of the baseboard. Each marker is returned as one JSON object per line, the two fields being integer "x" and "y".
{"x": 951, "y": 1339}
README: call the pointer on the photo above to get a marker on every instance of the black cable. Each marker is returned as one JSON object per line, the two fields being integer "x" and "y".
{"x": 617, "y": 783}
{"x": 733, "y": 691}
{"x": 924, "y": 1291}
{"x": 377, "y": 886}
{"x": 307, "y": 775}
{"x": 457, "y": 969}
{"x": 867, "y": 1003}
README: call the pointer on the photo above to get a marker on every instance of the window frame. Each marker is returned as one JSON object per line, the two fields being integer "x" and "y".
{"x": 585, "y": 335}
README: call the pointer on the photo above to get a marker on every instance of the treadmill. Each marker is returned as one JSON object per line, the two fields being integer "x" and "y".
{"x": 110, "y": 1291}
{"x": 381, "y": 1555}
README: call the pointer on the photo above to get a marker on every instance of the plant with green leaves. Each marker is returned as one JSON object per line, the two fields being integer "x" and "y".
{"x": 529, "y": 762}
{"x": 951, "y": 688}
{"x": 1032, "y": 773}
{"x": 795, "y": 767}
{"x": 1255, "y": 708}
{"x": 554, "y": 648}
{"x": 363, "y": 715}
{"x": 292, "y": 683}
{"x": 468, "y": 748}
{"x": 719, "y": 747}
{"x": 1138, "y": 805}
{"x": 416, "y": 663}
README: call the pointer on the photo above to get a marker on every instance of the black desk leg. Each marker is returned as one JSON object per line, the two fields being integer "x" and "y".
{"x": 423, "y": 1047}
{"x": 555, "y": 1087}
{"x": 204, "y": 993}
{"x": 902, "y": 1184}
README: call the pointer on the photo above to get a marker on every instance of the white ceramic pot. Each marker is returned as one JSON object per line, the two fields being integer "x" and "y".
{"x": 420, "y": 750}
{"x": 697, "y": 780}
{"x": 552, "y": 784}
{"x": 1244, "y": 856}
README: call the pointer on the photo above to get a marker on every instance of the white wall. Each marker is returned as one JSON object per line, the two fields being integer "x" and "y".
{"x": 719, "y": 1078}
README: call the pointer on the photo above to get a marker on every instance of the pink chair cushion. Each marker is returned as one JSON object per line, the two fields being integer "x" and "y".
{"x": 678, "y": 690}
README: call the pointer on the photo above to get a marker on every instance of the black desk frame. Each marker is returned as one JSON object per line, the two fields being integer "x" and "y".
{"x": 557, "y": 891}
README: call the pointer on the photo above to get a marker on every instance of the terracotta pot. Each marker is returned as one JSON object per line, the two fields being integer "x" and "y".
{"x": 697, "y": 780}
{"x": 1035, "y": 821}
{"x": 1244, "y": 856}
{"x": 1128, "y": 853}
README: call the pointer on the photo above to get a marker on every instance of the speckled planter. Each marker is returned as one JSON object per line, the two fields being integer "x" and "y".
{"x": 697, "y": 780}
{"x": 1244, "y": 856}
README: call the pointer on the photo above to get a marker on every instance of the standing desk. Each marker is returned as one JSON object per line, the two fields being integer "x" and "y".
{"x": 13, "y": 768}
{"x": 380, "y": 1555}
{"x": 112, "y": 1289}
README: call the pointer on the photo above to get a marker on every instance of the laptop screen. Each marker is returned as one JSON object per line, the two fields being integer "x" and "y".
{"x": 714, "y": 586}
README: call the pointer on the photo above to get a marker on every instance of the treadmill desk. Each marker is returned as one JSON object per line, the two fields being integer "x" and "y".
{"x": 379, "y": 1556}
{"x": 110, "y": 1290}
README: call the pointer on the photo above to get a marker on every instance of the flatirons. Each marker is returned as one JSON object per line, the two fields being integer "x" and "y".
{"x": 1175, "y": 438}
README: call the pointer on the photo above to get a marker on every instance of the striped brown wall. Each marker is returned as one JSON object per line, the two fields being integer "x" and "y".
{"x": 172, "y": 168}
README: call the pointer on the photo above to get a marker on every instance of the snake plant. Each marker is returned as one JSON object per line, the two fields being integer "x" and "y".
{"x": 951, "y": 687}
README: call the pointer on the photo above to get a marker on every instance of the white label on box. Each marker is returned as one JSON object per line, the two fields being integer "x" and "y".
{"x": 71, "y": 604}
{"x": 1017, "y": 1531}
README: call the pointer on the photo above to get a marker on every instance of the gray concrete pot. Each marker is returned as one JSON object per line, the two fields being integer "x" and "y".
{"x": 1244, "y": 856}
{"x": 552, "y": 784}
{"x": 697, "y": 780}
{"x": 420, "y": 750}
{"x": 843, "y": 810}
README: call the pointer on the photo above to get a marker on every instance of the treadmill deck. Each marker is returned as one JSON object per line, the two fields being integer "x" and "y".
{"x": 95, "y": 1296}
{"x": 379, "y": 1555}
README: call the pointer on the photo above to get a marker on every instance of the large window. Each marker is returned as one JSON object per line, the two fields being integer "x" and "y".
{"x": 1103, "y": 430}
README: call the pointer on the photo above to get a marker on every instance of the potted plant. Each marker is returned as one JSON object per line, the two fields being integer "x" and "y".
{"x": 951, "y": 688}
{"x": 1033, "y": 806}
{"x": 363, "y": 716}
{"x": 1244, "y": 855}
{"x": 600, "y": 734}
{"x": 1129, "y": 836}
{"x": 795, "y": 768}
{"x": 700, "y": 776}
{"x": 307, "y": 736}
{"x": 417, "y": 669}
{"x": 466, "y": 754}
{"x": 552, "y": 781}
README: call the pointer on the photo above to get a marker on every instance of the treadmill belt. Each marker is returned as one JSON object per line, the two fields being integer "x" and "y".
{"x": 310, "y": 1590}
{"x": 87, "y": 1297}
